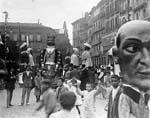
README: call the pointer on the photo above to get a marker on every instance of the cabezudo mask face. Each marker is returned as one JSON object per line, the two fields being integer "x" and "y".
{"x": 134, "y": 53}
{"x": 51, "y": 41}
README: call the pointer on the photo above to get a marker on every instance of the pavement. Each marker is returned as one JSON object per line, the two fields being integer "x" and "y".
{"x": 26, "y": 111}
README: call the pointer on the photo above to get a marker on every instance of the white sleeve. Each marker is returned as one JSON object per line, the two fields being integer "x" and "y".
{"x": 52, "y": 116}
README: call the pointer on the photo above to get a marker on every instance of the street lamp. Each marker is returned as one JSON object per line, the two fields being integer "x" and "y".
{"x": 5, "y": 34}
{"x": 6, "y": 17}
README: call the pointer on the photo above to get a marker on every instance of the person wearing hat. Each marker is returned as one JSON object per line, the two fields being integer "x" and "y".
{"x": 86, "y": 64}
{"x": 75, "y": 57}
{"x": 67, "y": 102}
{"x": 86, "y": 56}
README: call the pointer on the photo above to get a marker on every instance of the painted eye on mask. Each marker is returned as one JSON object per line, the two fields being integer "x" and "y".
{"x": 133, "y": 48}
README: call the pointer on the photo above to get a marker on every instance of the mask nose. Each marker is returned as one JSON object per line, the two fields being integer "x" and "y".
{"x": 145, "y": 57}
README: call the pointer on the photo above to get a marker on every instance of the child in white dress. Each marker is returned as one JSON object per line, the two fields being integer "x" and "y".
{"x": 89, "y": 99}
{"x": 73, "y": 87}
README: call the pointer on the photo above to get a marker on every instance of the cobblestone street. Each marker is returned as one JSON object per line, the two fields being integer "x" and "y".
{"x": 26, "y": 111}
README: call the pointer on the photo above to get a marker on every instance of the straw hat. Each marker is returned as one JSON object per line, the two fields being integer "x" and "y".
{"x": 87, "y": 45}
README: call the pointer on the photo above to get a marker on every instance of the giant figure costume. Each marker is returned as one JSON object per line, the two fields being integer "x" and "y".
{"x": 50, "y": 58}
{"x": 133, "y": 56}
{"x": 26, "y": 56}
{"x": 86, "y": 64}
{"x": 86, "y": 56}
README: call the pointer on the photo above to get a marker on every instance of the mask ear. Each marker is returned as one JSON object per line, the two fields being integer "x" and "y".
{"x": 115, "y": 55}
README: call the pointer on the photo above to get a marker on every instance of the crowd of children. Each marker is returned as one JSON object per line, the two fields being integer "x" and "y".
{"x": 84, "y": 99}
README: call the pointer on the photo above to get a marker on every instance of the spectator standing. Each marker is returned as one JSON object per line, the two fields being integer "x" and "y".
{"x": 37, "y": 80}
{"x": 10, "y": 86}
{"x": 27, "y": 85}
{"x": 114, "y": 97}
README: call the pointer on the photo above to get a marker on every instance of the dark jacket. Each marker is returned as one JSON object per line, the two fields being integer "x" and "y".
{"x": 57, "y": 58}
{"x": 27, "y": 79}
{"x": 60, "y": 90}
{"x": 10, "y": 82}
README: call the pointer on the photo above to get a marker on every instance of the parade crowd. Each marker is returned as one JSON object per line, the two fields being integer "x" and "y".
{"x": 60, "y": 88}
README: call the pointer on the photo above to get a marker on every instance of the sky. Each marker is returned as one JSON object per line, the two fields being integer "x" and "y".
{"x": 51, "y": 13}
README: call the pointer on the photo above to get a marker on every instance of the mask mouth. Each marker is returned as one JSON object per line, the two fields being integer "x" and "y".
{"x": 50, "y": 43}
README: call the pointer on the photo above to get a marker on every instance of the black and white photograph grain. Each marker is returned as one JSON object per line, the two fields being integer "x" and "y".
{"x": 74, "y": 58}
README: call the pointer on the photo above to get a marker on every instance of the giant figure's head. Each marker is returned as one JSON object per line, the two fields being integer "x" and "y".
{"x": 51, "y": 40}
{"x": 133, "y": 52}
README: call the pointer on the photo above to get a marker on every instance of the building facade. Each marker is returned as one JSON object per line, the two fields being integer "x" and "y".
{"x": 80, "y": 32}
{"x": 95, "y": 36}
{"x": 105, "y": 19}
{"x": 35, "y": 33}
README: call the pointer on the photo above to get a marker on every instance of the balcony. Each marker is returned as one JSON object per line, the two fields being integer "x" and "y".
{"x": 140, "y": 4}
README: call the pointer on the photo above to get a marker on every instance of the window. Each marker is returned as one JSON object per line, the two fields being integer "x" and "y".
{"x": 111, "y": 8}
{"x": 31, "y": 37}
{"x": 144, "y": 13}
{"x": 117, "y": 5}
{"x": 112, "y": 23}
{"x": 137, "y": 16}
{"x": 107, "y": 26}
{"x": 38, "y": 37}
{"x": 15, "y": 37}
{"x": 107, "y": 11}
{"x": 117, "y": 21}
{"x": 23, "y": 37}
